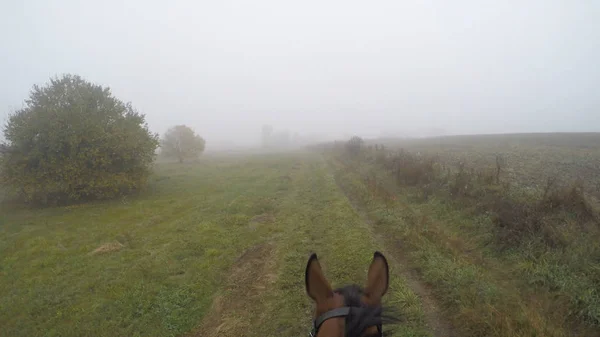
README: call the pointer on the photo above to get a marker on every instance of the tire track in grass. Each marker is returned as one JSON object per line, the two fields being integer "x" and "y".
{"x": 318, "y": 218}
{"x": 264, "y": 294}
{"x": 439, "y": 326}
{"x": 477, "y": 293}
{"x": 249, "y": 277}
{"x": 237, "y": 305}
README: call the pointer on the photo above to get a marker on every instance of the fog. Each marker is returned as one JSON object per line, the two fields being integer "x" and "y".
{"x": 324, "y": 69}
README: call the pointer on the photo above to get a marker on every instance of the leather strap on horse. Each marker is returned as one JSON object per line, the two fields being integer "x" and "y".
{"x": 338, "y": 312}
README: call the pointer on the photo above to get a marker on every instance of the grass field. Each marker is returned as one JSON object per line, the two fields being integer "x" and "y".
{"x": 218, "y": 248}
{"x": 215, "y": 248}
{"x": 482, "y": 292}
{"x": 530, "y": 158}
{"x": 542, "y": 280}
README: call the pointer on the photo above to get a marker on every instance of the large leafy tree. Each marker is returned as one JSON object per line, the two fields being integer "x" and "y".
{"x": 183, "y": 143}
{"x": 74, "y": 140}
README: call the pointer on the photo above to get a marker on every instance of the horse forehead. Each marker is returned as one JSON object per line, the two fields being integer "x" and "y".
{"x": 334, "y": 302}
{"x": 339, "y": 300}
{"x": 353, "y": 295}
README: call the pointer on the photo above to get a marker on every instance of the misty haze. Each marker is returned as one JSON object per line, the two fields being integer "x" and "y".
{"x": 327, "y": 69}
{"x": 274, "y": 168}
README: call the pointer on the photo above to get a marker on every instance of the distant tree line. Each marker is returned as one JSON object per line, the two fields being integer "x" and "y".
{"x": 278, "y": 139}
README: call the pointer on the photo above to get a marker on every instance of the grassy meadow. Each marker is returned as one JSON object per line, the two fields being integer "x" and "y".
{"x": 513, "y": 257}
{"x": 530, "y": 158}
{"x": 212, "y": 248}
{"x": 218, "y": 247}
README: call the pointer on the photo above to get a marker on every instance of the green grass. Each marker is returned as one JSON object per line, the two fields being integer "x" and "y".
{"x": 179, "y": 247}
{"x": 319, "y": 218}
{"x": 178, "y": 241}
{"x": 219, "y": 247}
{"x": 529, "y": 290}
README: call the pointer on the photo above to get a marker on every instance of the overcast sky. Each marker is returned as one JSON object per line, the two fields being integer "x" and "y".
{"x": 367, "y": 67}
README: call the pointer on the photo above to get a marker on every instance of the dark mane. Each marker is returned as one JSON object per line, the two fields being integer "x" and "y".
{"x": 359, "y": 320}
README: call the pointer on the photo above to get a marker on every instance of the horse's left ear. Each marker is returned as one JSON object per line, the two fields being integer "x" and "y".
{"x": 317, "y": 286}
{"x": 378, "y": 278}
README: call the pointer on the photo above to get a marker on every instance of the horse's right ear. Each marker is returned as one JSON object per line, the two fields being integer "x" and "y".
{"x": 378, "y": 278}
{"x": 317, "y": 286}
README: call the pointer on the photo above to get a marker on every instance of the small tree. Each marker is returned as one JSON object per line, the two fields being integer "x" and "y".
{"x": 183, "y": 143}
{"x": 354, "y": 145}
{"x": 73, "y": 140}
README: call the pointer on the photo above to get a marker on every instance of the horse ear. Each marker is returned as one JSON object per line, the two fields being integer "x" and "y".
{"x": 378, "y": 278}
{"x": 317, "y": 286}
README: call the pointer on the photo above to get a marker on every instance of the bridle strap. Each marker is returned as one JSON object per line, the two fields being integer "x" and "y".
{"x": 338, "y": 312}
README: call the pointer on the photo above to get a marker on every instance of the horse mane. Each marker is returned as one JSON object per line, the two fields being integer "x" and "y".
{"x": 358, "y": 321}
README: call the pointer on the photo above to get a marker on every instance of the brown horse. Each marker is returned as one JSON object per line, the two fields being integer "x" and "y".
{"x": 350, "y": 311}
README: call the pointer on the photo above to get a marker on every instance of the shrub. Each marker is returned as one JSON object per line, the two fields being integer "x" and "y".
{"x": 515, "y": 220}
{"x": 73, "y": 140}
{"x": 570, "y": 198}
{"x": 414, "y": 170}
{"x": 354, "y": 145}
{"x": 461, "y": 185}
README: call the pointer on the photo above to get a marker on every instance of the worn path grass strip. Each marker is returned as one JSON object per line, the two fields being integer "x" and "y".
{"x": 317, "y": 217}
{"x": 398, "y": 256}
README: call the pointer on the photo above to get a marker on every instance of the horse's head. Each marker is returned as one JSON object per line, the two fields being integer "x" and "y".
{"x": 350, "y": 311}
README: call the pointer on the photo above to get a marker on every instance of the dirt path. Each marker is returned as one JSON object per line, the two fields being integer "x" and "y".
{"x": 232, "y": 311}
{"x": 264, "y": 293}
{"x": 438, "y": 325}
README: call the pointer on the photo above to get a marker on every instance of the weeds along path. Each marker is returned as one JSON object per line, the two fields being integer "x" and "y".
{"x": 399, "y": 258}
{"x": 479, "y": 294}
{"x": 265, "y": 293}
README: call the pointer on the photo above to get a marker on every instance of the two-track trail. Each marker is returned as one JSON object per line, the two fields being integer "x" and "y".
{"x": 264, "y": 295}
{"x": 436, "y": 323}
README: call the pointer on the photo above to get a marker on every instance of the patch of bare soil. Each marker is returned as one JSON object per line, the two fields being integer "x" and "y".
{"x": 260, "y": 219}
{"x": 263, "y": 218}
{"x": 234, "y": 309}
{"x": 439, "y": 326}
{"x": 108, "y": 247}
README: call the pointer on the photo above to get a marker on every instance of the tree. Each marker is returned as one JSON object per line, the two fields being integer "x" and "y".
{"x": 267, "y": 132}
{"x": 182, "y": 142}
{"x": 354, "y": 145}
{"x": 73, "y": 140}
